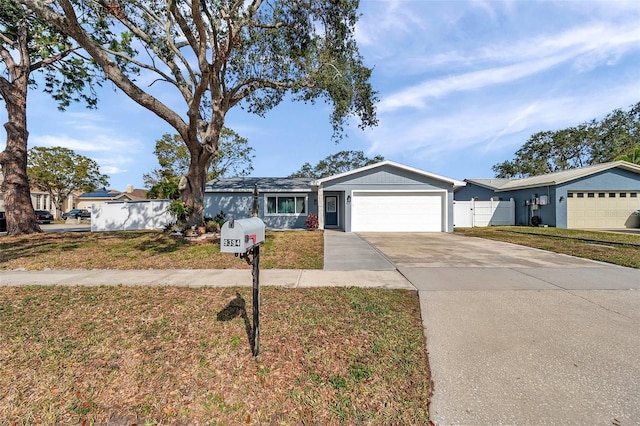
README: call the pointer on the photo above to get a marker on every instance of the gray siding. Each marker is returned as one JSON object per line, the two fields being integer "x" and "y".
{"x": 480, "y": 193}
{"x": 387, "y": 177}
{"x": 238, "y": 206}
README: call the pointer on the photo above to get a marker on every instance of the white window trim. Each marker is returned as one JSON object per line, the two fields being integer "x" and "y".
{"x": 284, "y": 194}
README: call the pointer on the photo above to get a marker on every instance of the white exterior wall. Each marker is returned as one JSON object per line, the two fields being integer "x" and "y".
{"x": 130, "y": 215}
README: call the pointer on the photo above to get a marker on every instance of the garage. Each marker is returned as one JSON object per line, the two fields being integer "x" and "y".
{"x": 398, "y": 211}
{"x": 602, "y": 209}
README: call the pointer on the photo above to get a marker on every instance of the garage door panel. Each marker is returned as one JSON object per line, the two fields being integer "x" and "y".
{"x": 397, "y": 212}
{"x": 610, "y": 211}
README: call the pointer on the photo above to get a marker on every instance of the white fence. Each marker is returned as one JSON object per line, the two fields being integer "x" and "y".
{"x": 467, "y": 214}
{"x": 130, "y": 215}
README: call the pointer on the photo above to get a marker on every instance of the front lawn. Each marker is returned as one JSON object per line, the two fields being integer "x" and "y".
{"x": 152, "y": 250}
{"x": 617, "y": 248}
{"x": 174, "y": 356}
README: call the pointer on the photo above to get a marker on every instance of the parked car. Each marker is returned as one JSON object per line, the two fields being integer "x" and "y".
{"x": 3, "y": 222}
{"x": 43, "y": 216}
{"x": 77, "y": 213}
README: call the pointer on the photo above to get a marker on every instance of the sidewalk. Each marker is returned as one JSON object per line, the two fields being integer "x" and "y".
{"x": 209, "y": 278}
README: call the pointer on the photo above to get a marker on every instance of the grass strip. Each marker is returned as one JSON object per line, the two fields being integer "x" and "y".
{"x": 593, "y": 240}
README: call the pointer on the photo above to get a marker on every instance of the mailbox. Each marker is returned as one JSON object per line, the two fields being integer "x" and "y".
{"x": 239, "y": 236}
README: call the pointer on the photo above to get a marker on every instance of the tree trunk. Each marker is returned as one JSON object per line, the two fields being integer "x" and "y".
{"x": 21, "y": 218}
{"x": 192, "y": 186}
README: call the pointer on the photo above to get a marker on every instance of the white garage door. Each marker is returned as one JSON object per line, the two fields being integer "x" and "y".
{"x": 600, "y": 209}
{"x": 397, "y": 212}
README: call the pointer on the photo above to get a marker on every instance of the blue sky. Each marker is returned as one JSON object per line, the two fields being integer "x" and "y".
{"x": 462, "y": 84}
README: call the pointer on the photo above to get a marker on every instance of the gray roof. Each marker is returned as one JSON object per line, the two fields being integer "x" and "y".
{"x": 495, "y": 183}
{"x": 265, "y": 184}
{"x": 551, "y": 179}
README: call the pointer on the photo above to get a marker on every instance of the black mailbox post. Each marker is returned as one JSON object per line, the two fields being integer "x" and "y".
{"x": 243, "y": 238}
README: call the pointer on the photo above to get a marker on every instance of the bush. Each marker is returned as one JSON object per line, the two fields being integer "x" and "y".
{"x": 311, "y": 222}
{"x": 212, "y": 226}
{"x": 179, "y": 210}
{"x": 220, "y": 219}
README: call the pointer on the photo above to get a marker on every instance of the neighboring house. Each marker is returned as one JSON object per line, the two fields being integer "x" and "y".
{"x": 600, "y": 196}
{"x": 87, "y": 199}
{"x": 42, "y": 201}
{"x": 382, "y": 197}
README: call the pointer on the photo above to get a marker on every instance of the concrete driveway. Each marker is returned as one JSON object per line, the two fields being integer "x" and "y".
{"x": 522, "y": 336}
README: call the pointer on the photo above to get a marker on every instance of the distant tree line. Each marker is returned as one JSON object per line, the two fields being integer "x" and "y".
{"x": 340, "y": 162}
{"x": 615, "y": 137}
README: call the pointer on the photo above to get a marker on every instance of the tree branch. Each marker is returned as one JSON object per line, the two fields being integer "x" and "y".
{"x": 6, "y": 57}
{"x": 249, "y": 86}
{"x": 70, "y": 25}
{"x": 52, "y": 59}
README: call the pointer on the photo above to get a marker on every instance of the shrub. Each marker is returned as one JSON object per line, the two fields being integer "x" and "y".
{"x": 212, "y": 226}
{"x": 311, "y": 222}
{"x": 179, "y": 210}
{"x": 220, "y": 218}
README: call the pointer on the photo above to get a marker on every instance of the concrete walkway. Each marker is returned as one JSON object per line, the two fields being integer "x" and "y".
{"x": 208, "y": 278}
{"x": 346, "y": 251}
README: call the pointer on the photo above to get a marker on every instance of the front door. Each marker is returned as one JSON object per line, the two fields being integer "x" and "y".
{"x": 331, "y": 210}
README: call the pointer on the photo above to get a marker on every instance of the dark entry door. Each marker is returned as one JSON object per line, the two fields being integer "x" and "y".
{"x": 331, "y": 210}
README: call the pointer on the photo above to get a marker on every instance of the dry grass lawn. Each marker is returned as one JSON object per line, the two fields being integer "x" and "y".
{"x": 161, "y": 355}
{"x": 152, "y": 250}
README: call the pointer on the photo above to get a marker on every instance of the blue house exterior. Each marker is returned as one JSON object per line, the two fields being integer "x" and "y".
{"x": 383, "y": 197}
{"x": 600, "y": 196}
{"x": 283, "y": 203}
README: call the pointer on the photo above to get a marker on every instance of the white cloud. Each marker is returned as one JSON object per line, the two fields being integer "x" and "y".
{"x": 417, "y": 96}
{"x": 492, "y": 126}
{"x": 585, "y": 48}
{"x": 66, "y": 141}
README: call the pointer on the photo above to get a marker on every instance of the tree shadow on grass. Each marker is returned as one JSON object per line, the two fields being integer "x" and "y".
{"x": 234, "y": 309}
{"x": 36, "y": 245}
{"x": 161, "y": 246}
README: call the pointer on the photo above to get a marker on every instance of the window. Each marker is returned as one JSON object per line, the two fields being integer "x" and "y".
{"x": 591, "y": 195}
{"x": 570, "y": 195}
{"x": 580, "y": 194}
{"x": 633, "y": 194}
{"x": 623, "y": 195}
{"x": 287, "y": 204}
{"x": 601, "y": 194}
{"x": 612, "y": 195}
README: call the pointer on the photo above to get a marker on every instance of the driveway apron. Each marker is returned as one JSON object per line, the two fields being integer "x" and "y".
{"x": 522, "y": 336}
{"x": 348, "y": 252}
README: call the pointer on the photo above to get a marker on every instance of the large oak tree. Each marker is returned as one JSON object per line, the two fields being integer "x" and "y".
{"x": 221, "y": 54}
{"x": 32, "y": 52}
